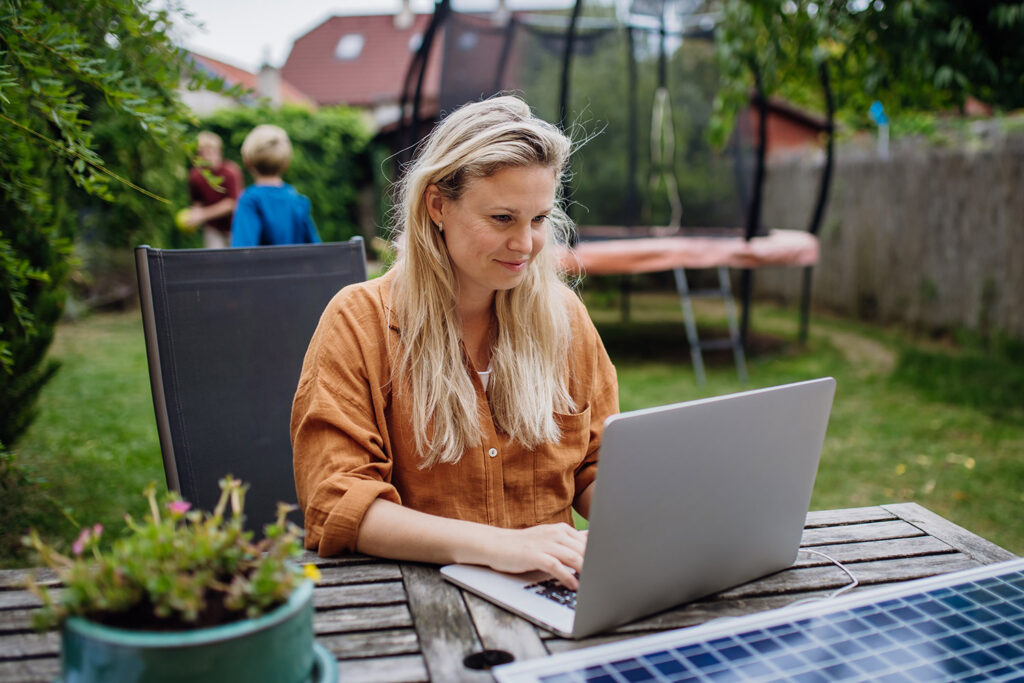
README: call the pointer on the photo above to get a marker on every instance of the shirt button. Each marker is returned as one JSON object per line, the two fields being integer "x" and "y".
{"x": 493, "y": 452}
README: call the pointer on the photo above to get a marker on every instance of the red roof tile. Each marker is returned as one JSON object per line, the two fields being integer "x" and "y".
{"x": 234, "y": 75}
{"x": 376, "y": 76}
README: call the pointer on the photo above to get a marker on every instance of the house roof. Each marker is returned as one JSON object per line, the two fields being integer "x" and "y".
{"x": 375, "y": 76}
{"x": 234, "y": 75}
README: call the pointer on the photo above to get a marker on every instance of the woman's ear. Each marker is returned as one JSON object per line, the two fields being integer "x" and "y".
{"x": 435, "y": 204}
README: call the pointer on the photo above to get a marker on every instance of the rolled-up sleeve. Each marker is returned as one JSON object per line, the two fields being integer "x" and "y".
{"x": 340, "y": 445}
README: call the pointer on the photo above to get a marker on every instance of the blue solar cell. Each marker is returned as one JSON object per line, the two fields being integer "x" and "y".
{"x": 933, "y": 607}
{"x": 955, "y": 601}
{"x": 954, "y": 666}
{"x": 980, "y": 658}
{"x": 1005, "y": 610}
{"x": 1008, "y": 630}
{"x": 765, "y": 646}
{"x": 899, "y": 657}
{"x": 847, "y": 647}
{"x": 719, "y": 643}
{"x": 982, "y": 636}
{"x": 810, "y": 677}
{"x": 659, "y": 656}
{"x": 870, "y": 664}
{"x": 852, "y": 626}
{"x": 903, "y": 635}
{"x": 638, "y": 675}
{"x": 735, "y": 653}
{"x": 840, "y": 672}
{"x": 980, "y": 596}
{"x": 907, "y": 614}
{"x": 787, "y": 662}
{"x": 894, "y": 677}
{"x": 955, "y": 622}
{"x": 754, "y": 669}
{"x": 1004, "y": 591}
{"x": 980, "y": 615}
{"x": 879, "y": 620}
{"x": 824, "y": 632}
{"x": 875, "y": 641}
{"x": 670, "y": 667}
{"x": 818, "y": 655}
{"x": 926, "y": 672}
{"x": 954, "y": 643}
{"x": 703, "y": 660}
{"x": 1008, "y": 652}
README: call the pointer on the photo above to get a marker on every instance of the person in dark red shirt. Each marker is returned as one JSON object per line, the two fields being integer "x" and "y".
{"x": 213, "y": 205}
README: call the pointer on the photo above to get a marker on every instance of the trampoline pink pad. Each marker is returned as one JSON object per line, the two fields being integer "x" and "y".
{"x": 654, "y": 254}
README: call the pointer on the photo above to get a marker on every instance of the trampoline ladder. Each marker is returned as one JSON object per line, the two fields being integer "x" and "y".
{"x": 733, "y": 341}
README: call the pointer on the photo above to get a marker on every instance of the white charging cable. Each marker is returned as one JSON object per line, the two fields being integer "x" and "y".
{"x": 839, "y": 591}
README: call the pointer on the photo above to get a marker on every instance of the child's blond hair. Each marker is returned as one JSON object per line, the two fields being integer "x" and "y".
{"x": 267, "y": 150}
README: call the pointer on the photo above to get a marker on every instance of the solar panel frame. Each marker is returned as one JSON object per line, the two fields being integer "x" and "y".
{"x": 963, "y": 626}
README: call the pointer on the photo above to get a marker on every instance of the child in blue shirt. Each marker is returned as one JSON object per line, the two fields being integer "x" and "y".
{"x": 270, "y": 211}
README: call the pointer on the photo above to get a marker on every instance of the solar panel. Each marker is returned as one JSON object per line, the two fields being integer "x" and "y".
{"x": 964, "y": 626}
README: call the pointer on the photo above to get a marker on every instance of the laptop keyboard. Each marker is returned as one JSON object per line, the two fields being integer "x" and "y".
{"x": 553, "y": 590}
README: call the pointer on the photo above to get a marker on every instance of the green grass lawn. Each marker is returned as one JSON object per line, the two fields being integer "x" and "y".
{"x": 914, "y": 420}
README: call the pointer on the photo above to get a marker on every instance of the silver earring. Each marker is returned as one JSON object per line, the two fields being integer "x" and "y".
{"x": 440, "y": 226}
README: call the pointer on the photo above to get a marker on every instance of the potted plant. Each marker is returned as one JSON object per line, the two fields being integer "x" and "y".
{"x": 185, "y": 596}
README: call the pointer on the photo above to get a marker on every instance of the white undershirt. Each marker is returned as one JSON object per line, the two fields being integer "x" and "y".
{"x": 485, "y": 377}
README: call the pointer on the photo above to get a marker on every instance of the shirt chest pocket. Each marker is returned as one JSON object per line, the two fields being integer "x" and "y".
{"x": 555, "y": 467}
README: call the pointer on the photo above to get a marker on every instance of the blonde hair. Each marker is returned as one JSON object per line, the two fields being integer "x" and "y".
{"x": 528, "y": 382}
{"x": 267, "y": 150}
{"x": 209, "y": 138}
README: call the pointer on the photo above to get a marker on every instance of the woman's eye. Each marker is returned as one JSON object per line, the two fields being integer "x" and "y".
{"x": 539, "y": 219}
{"x": 502, "y": 218}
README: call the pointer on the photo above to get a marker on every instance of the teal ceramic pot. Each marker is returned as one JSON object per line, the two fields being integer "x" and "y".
{"x": 277, "y": 647}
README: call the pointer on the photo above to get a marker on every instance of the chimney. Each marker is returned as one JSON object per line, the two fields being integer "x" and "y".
{"x": 501, "y": 14}
{"x": 405, "y": 17}
{"x": 269, "y": 84}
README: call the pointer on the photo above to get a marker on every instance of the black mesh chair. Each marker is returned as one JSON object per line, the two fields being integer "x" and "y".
{"x": 226, "y": 331}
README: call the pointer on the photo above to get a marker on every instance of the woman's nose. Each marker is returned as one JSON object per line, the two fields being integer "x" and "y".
{"x": 520, "y": 239}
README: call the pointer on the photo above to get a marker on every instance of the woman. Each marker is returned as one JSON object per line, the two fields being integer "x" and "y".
{"x": 451, "y": 410}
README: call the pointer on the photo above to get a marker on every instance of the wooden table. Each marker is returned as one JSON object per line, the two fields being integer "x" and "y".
{"x": 392, "y": 621}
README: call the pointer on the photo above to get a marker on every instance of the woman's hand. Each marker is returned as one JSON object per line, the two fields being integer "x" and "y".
{"x": 390, "y": 530}
{"x": 556, "y": 549}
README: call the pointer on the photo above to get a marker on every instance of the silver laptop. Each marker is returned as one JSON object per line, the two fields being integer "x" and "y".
{"x": 691, "y": 499}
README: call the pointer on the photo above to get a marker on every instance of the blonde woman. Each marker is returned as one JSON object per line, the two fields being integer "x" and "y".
{"x": 451, "y": 410}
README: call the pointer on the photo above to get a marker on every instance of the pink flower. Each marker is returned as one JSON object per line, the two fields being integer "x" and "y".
{"x": 179, "y": 507}
{"x": 79, "y": 545}
{"x": 97, "y": 529}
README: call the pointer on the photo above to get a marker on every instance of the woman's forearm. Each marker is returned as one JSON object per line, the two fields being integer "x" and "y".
{"x": 393, "y": 531}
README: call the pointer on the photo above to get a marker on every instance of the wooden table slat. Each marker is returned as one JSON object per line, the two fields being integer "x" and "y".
{"x": 30, "y": 670}
{"x": 867, "y": 573}
{"x": 31, "y": 644}
{"x": 985, "y": 552}
{"x": 350, "y": 619}
{"x": 400, "y": 669}
{"x": 401, "y": 641}
{"x": 499, "y": 629}
{"x": 365, "y": 594}
{"x": 885, "y": 549}
{"x": 358, "y": 573}
{"x": 853, "y": 533}
{"x": 875, "y": 513}
{"x": 446, "y": 631}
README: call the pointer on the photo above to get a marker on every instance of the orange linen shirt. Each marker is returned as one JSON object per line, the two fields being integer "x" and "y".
{"x": 352, "y": 434}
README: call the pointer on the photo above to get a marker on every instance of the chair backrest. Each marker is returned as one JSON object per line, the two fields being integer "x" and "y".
{"x": 226, "y": 332}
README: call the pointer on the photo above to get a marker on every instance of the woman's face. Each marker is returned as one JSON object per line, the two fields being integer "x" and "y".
{"x": 496, "y": 228}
